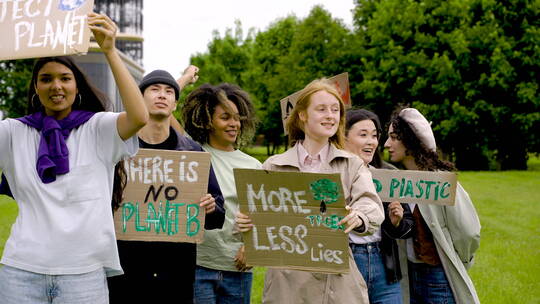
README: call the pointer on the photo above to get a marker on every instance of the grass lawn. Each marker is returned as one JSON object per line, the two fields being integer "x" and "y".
{"x": 507, "y": 268}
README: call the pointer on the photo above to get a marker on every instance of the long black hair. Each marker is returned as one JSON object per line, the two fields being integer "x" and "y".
{"x": 92, "y": 98}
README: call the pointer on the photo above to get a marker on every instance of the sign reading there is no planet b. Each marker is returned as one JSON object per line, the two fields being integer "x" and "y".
{"x": 161, "y": 198}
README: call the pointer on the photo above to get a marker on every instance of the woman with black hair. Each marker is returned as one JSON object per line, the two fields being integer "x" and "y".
{"x": 376, "y": 255}
{"x": 444, "y": 238}
{"x": 59, "y": 161}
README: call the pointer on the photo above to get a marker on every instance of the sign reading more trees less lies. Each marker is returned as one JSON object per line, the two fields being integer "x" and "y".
{"x": 40, "y": 28}
{"x": 295, "y": 217}
{"x": 161, "y": 198}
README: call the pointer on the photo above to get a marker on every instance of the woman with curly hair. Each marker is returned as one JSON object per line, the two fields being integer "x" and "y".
{"x": 222, "y": 118}
{"x": 444, "y": 238}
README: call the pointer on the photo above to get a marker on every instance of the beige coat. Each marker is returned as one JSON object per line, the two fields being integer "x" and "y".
{"x": 456, "y": 231}
{"x": 295, "y": 287}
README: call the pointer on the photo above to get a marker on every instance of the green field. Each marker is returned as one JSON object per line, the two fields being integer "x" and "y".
{"x": 507, "y": 268}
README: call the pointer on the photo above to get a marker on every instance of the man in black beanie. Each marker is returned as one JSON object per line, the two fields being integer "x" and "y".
{"x": 156, "y": 272}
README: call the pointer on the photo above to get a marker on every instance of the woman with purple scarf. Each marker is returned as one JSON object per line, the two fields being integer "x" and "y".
{"x": 59, "y": 162}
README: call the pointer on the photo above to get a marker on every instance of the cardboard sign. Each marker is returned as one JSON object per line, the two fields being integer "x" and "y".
{"x": 423, "y": 187}
{"x": 41, "y": 28}
{"x": 161, "y": 199}
{"x": 340, "y": 82}
{"x": 295, "y": 218}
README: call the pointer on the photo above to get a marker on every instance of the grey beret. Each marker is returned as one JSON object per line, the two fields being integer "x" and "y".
{"x": 420, "y": 126}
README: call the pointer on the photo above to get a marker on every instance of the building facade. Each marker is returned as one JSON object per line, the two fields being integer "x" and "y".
{"x": 128, "y": 16}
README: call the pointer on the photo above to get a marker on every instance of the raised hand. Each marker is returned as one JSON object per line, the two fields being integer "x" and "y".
{"x": 189, "y": 76}
{"x": 104, "y": 30}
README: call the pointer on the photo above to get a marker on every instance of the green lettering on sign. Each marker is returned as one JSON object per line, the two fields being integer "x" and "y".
{"x": 126, "y": 207}
{"x": 378, "y": 185}
{"x": 192, "y": 219}
{"x": 393, "y": 185}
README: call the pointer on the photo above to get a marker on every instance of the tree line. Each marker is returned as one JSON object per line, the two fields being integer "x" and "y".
{"x": 470, "y": 66}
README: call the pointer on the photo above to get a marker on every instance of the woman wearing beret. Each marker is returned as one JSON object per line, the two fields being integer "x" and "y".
{"x": 444, "y": 238}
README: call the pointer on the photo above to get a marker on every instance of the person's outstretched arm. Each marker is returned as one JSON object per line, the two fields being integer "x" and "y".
{"x": 189, "y": 76}
{"x": 136, "y": 114}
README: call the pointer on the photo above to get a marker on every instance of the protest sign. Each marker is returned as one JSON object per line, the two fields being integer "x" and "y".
{"x": 295, "y": 218}
{"x": 340, "y": 82}
{"x": 423, "y": 187}
{"x": 161, "y": 198}
{"x": 41, "y": 28}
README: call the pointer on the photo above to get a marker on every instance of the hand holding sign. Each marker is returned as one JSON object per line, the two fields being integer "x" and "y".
{"x": 242, "y": 222}
{"x": 395, "y": 212}
{"x": 352, "y": 220}
{"x": 104, "y": 30}
{"x": 208, "y": 203}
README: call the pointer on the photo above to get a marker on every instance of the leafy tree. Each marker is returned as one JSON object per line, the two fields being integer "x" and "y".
{"x": 471, "y": 66}
{"x": 290, "y": 54}
{"x": 270, "y": 48}
{"x": 14, "y": 79}
{"x": 227, "y": 58}
{"x": 276, "y": 62}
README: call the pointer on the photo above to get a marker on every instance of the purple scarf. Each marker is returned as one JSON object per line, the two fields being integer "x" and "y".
{"x": 53, "y": 154}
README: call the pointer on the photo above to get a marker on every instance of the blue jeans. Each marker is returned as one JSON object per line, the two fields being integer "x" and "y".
{"x": 23, "y": 287}
{"x": 428, "y": 284}
{"x": 223, "y": 287}
{"x": 369, "y": 260}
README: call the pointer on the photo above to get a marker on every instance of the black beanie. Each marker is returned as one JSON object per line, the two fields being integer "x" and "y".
{"x": 160, "y": 76}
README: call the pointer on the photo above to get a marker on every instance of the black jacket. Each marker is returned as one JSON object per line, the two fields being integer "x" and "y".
{"x": 389, "y": 247}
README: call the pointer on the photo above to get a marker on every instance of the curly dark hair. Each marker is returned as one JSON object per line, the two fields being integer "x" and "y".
{"x": 424, "y": 158}
{"x": 200, "y": 106}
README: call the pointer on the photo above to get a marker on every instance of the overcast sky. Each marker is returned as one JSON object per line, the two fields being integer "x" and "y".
{"x": 175, "y": 30}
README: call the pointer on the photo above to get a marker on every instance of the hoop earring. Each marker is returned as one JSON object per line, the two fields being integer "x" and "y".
{"x": 80, "y": 99}
{"x": 32, "y": 102}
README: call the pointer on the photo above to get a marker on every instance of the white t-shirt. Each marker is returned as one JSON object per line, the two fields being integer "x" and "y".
{"x": 64, "y": 227}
